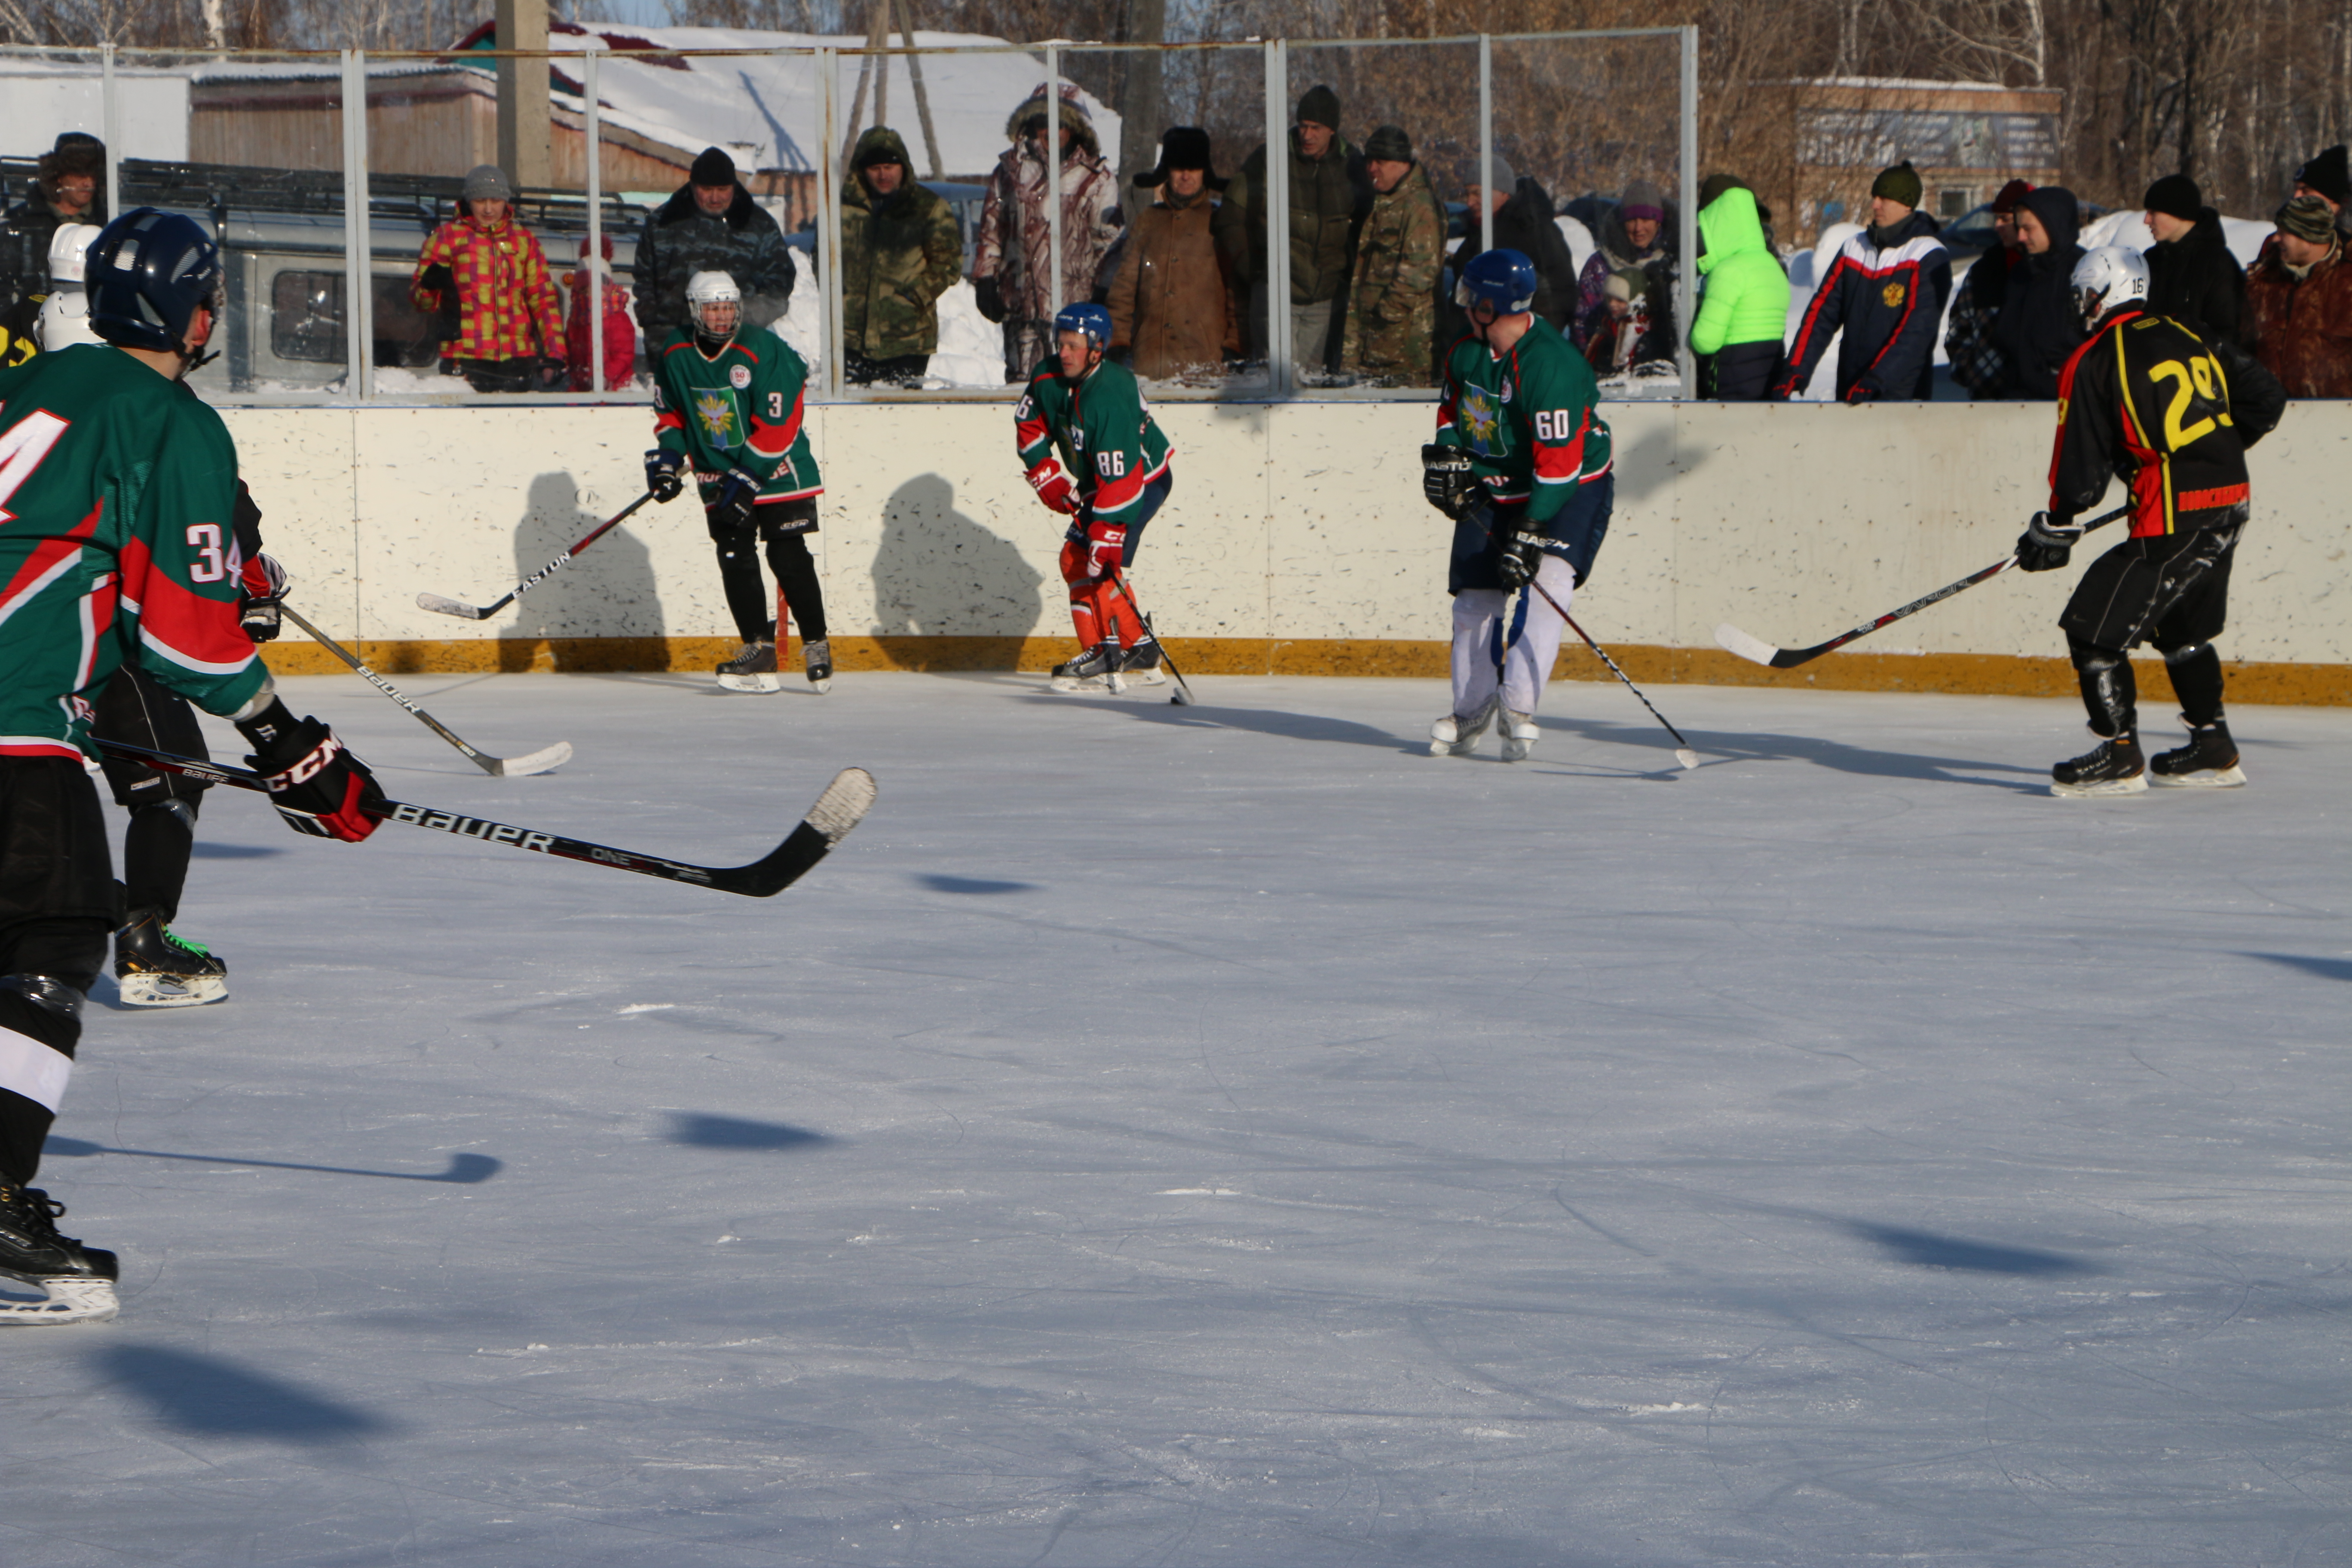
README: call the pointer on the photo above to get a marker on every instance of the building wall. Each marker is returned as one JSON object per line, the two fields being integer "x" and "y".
{"x": 1297, "y": 540}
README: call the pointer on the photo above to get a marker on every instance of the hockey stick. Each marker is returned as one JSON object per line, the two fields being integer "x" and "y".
{"x": 844, "y": 804}
{"x": 1686, "y": 756}
{"x": 1182, "y": 694}
{"x": 1757, "y": 650}
{"x": 441, "y": 607}
{"x": 540, "y": 761}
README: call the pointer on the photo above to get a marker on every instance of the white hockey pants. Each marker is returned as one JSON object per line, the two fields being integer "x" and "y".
{"x": 1525, "y": 647}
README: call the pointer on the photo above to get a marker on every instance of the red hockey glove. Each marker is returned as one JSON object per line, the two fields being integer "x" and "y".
{"x": 1054, "y": 486}
{"x": 317, "y": 786}
{"x": 1105, "y": 544}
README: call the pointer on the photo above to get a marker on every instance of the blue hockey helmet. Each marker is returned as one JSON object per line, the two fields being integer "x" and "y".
{"x": 1504, "y": 279}
{"x": 148, "y": 273}
{"x": 1090, "y": 321}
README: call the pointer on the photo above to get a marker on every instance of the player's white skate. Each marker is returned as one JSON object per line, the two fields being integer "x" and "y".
{"x": 76, "y": 1281}
{"x": 1097, "y": 669}
{"x": 816, "y": 661}
{"x": 1456, "y": 734}
{"x": 2112, "y": 767}
{"x": 1520, "y": 735}
{"x": 154, "y": 966}
{"x": 753, "y": 669}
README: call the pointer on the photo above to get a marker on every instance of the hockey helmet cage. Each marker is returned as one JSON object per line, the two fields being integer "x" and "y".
{"x": 1502, "y": 277}
{"x": 70, "y": 251}
{"x": 148, "y": 274}
{"x": 713, "y": 289}
{"x": 2108, "y": 280}
{"x": 1091, "y": 321}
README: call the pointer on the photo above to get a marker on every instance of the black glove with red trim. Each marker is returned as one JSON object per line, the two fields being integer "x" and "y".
{"x": 317, "y": 786}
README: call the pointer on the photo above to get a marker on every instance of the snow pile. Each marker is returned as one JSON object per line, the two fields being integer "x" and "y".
{"x": 970, "y": 354}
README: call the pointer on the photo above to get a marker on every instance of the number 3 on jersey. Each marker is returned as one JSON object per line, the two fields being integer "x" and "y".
{"x": 211, "y": 564}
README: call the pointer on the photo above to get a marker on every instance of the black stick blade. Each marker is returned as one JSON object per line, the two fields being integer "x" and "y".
{"x": 842, "y": 806}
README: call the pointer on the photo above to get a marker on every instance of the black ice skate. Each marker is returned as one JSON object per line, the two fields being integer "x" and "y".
{"x": 156, "y": 967}
{"x": 1141, "y": 664}
{"x": 1095, "y": 670}
{"x": 816, "y": 661}
{"x": 753, "y": 669}
{"x": 79, "y": 1280}
{"x": 2112, "y": 767}
{"x": 1456, "y": 734}
{"x": 2210, "y": 760}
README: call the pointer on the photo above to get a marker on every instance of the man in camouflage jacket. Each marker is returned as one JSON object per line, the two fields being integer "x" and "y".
{"x": 1400, "y": 251}
{"x": 710, "y": 225}
{"x": 900, "y": 250}
{"x": 1012, "y": 267}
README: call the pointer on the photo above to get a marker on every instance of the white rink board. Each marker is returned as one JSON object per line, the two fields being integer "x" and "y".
{"x": 1299, "y": 520}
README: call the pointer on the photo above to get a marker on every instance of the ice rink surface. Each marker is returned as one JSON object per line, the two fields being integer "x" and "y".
{"x": 1229, "y": 1135}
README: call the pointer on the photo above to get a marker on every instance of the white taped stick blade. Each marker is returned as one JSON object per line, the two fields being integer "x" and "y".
{"x": 72, "y": 1298}
{"x": 1754, "y": 649}
{"x": 441, "y": 607}
{"x": 844, "y": 804}
{"x": 1688, "y": 758}
{"x": 543, "y": 762}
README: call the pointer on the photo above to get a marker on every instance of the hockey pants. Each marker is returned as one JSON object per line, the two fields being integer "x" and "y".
{"x": 799, "y": 596}
{"x": 1099, "y": 610}
{"x": 1488, "y": 632}
{"x": 57, "y": 908}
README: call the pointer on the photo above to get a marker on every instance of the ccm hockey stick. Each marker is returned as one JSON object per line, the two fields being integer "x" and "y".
{"x": 844, "y": 804}
{"x": 1756, "y": 649}
{"x": 441, "y": 607}
{"x": 1683, "y": 755}
{"x": 540, "y": 761}
{"x": 1182, "y": 694}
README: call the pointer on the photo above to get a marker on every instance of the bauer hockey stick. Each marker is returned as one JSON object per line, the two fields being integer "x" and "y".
{"x": 1758, "y": 651}
{"x": 1685, "y": 755}
{"x": 1182, "y": 694}
{"x": 845, "y": 801}
{"x": 441, "y": 607}
{"x": 540, "y": 761}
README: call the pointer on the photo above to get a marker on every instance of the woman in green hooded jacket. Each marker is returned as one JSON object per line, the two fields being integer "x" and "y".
{"x": 1745, "y": 310}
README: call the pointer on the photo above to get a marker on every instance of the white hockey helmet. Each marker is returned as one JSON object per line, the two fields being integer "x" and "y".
{"x": 2109, "y": 279}
{"x": 70, "y": 251}
{"x": 705, "y": 290}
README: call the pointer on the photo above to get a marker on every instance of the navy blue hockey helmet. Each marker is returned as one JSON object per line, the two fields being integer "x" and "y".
{"x": 148, "y": 273}
{"x": 1504, "y": 279}
{"x": 1092, "y": 320}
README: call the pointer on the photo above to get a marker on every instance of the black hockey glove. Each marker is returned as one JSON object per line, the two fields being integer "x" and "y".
{"x": 317, "y": 786}
{"x": 665, "y": 474}
{"x": 2048, "y": 542}
{"x": 1448, "y": 480}
{"x": 258, "y": 612}
{"x": 738, "y": 494}
{"x": 1522, "y": 558}
{"x": 990, "y": 296}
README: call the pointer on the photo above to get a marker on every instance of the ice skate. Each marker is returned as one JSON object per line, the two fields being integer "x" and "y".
{"x": 816, "y": 661}
{"x": 1141, "y": 664}
{"x": 753, "y": 669}
{"x": 2210, "y": 760}
{"x": 2112, "y": 767}
{"x": 156, "y": 967}
{"x": 78, "y": 1280}
{"x": 1456, "y": 734}
{"x": 1520, "y": 735}
{"x": 1097, "y": 669}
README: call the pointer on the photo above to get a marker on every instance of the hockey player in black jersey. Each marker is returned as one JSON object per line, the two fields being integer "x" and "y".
{"x": 2175, "y": 415}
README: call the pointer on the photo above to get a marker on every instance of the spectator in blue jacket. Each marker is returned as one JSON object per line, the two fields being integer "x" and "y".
{"x": 1887, "y": 289}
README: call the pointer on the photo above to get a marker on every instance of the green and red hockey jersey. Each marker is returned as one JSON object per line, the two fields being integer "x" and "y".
{"x": 1527, "y": 418}
{"x": 1101, "y": 427}
{"x": 118, "y": 543}
{"x": 744, "y": 409}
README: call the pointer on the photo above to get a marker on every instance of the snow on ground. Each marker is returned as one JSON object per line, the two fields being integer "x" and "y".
{"x": 1228, "y": 1135}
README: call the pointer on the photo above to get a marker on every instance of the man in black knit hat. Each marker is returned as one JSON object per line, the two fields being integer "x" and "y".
{"x": 2329, "y": 176}
{"x": 2192, "y": 277}
{"x": 710, "y": 225}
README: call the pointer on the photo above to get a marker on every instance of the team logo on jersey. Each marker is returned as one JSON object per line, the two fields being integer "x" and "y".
{"x": 717, "y": 412}
{"x": 1505, "y": 393}
{"x": 1893, "y": 294}
{"x": 1479, "y": 418}
{"x": 740, "y": 376}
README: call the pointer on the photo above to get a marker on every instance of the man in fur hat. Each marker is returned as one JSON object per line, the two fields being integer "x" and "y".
{"x": 1175, "y": 306}
{"x": 1012, "y": 267}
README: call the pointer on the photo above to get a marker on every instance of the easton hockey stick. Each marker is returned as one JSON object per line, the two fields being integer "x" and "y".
{"x": 540, "y": 761}
{"x": 1686, "y": 756}
{"x": 441, "y": 607}
{"x": 1182, "y": 694}
{"x": 1758, "y": 651}
{"x": 845, "y": 801}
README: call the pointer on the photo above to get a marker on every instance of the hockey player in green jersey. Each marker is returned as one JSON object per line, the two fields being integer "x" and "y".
{"x": 1521, "y": 463}
{"x": 1080, "y": 407}
{"x": 118, "y": 490}
{"x": 734, "y": 410}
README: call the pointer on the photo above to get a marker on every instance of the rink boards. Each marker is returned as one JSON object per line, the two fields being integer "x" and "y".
{"x": 1295, "y": 541}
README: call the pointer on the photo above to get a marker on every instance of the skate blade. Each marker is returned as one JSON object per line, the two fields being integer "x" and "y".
{"x": 2104, "y": 787}
{"x": 751, "y": 683}
{"x": 1453, "y": 748}
{"x": 1149, "y": 678}
{"x": 821, "y": 684}
{"x": 1069, "y": 683}
{"x": 171, "y": 990}
{"x": 72, "y": 1298}
{"x": 1517, "y": 751}
{"x": 2204, "y": 778}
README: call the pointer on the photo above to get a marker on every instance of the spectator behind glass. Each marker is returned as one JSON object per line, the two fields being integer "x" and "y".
{"x": 1745, "y": 310}
{"x": 1617, "y": 331}
{"x": 710, "y": 224}
{"x": 509, "y": 335}
{"x": 1013, "y": 265}
{"x": 1329, "y": 196}
{"x": 1391, "y": 298}
{"x": 591, "y": 282}
{"x": 1887, "y": 289}
{"x": 900, "y": 250}
{"x": 1524, "y": 222}
{"x": 2329, "y": 176}
{"x": 1967, "y": 341}
{"x": 1175, "y": 304}
{"x": 2299, "y": 299}
{"x": 2040, "y": 327}
{"x": 66, "y": 189}
{"x": 2191, "y": 276}
{"x": 1637, "y": 233}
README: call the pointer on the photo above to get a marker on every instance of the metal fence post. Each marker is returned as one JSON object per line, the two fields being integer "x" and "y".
{"x": 1054, "y": 171}
{"x": 593, "y": 261}
{"x": 1277, "y": 220}
{"x": 109, "y": 119}
{"x": 1686, "y": 269}
{"x": 355, "y": 245}
{"x": 1485, "y": 141}
{"x": 830, "y": 347}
